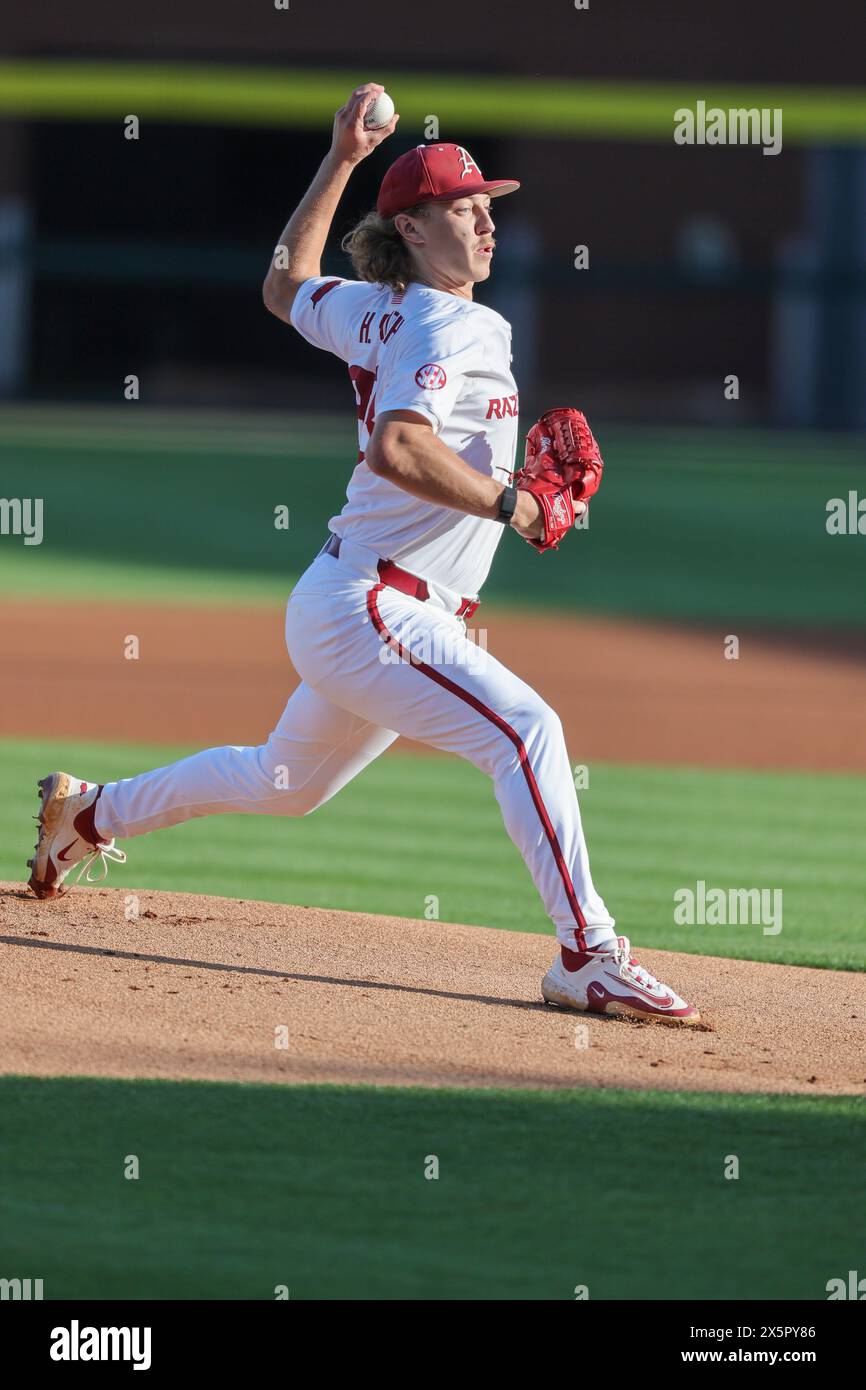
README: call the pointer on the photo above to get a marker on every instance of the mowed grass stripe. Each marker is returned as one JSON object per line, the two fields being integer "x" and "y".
{"x": 29, "y": 573}
{"x": 651, "y": 832}
{"x": 322, "y": 1189}
{"x": 228, "y": 443}
{"x": 722, "y": 529}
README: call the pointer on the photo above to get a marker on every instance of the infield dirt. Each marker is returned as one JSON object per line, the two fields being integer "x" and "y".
{"x": 201, "y": 987}
{"x": 626, "y": 691}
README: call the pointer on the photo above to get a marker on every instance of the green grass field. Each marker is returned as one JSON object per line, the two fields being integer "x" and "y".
{"x": 322, "y": 1189}
{"x": 692, "y": 524}
{"x": 650, "y": 830}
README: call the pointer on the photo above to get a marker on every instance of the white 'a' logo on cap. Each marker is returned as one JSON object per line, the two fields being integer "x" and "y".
{"x": 468, "y": 162}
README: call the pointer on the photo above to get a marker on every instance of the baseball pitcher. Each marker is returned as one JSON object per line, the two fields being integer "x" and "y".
{"x": 376, "y": 626}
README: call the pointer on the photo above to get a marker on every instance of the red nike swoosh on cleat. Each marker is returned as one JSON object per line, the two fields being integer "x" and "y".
{"x": 664, "y": 1003}
{"x": 62, "y": 854}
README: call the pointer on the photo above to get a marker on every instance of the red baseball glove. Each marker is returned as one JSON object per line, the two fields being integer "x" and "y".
{"x": 562, "y": 466}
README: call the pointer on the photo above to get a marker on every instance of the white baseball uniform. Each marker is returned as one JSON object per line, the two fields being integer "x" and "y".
{"x": 375, "y": 661}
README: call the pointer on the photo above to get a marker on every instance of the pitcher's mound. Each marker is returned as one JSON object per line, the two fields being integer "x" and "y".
{"x": 225, "y": 990}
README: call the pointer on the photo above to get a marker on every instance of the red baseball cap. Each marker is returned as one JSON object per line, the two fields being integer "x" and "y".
{"x": 435, "y": 173}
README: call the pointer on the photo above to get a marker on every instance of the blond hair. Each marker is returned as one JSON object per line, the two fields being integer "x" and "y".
{"x": 378, "y": 252}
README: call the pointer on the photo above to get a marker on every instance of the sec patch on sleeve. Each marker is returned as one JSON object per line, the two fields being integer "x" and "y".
{"x": 431, "y": 377}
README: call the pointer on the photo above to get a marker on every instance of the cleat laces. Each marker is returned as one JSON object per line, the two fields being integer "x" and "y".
{"x": 103, "y": 853}
{"x": 629, "y": 967}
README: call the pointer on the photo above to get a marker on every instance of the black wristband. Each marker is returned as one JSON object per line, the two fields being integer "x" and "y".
{"x": 507, "y": 505}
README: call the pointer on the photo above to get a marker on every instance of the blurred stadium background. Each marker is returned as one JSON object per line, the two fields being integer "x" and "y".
{"x": 146, "y": 255}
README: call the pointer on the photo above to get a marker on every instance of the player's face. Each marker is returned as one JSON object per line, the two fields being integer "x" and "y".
{"x": 456, "y": 242}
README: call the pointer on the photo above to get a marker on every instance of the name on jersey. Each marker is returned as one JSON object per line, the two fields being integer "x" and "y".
{"x": 388, "y": 325}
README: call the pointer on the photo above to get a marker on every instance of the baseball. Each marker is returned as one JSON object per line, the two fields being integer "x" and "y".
{"x": 380, "y": 113}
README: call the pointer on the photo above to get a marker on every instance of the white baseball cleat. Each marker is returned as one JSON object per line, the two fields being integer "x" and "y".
{"x": 67, "y": 835}
{"x": 610, "y": 981}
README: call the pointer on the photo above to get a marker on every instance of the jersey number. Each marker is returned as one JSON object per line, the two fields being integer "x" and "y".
{"x": 364, "y": 382}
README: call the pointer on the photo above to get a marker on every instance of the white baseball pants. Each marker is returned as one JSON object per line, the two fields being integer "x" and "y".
{"x": 376, "y": 663}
